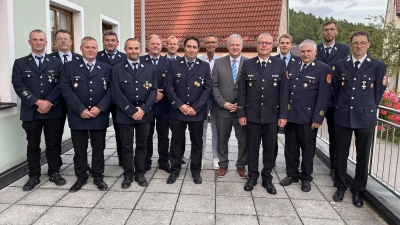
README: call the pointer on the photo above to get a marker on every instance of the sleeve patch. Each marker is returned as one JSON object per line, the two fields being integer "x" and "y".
{"x": 329, "y": 78}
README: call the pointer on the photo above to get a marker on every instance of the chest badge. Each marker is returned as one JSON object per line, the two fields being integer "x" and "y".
{"x": 76, "y": 85}
{"x": 275, "y": 84}
{"x": 197, "y": 84}
{"x": 305, "y": 85}
{"x": 342, "y": 83}
{"x": 363, "y": 84}
{"x": 250, "y": 84}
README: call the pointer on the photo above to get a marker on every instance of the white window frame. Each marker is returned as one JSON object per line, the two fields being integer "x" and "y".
{"x": 114, "y": 24}
{"x": 77, "y": 17}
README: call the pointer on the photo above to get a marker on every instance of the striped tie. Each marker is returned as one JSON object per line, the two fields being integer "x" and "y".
{"x": 234, "y": 70}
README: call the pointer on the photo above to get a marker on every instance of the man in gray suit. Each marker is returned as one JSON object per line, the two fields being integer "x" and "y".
{"x": 226, "y": 73}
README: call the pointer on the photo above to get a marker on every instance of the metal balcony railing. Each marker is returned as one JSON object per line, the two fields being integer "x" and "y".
{"x": 384, "y": 162}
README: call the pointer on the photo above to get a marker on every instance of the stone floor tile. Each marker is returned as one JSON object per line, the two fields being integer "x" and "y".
{"x": 322, "y": 180}
{"x": 157, "y": 201}
{"x": 232, "y": 189}
{"x": 274, "y": 207}
{"x": 365, "y": 222}
{"x": 66, "y": 159}
{"x": 315, "y": 209}
{"x": 44, "y": 168}
{"x": 4, "y": 207}
{"x": 22, "y": 214}
{"x": 112, "y": 161}
{"x": 62, "y": 215}
{"x": 205, "y": 188}
{"x": 109, "y": 152}
{"x": 225, "y": 219}
{"x": 43, "y": 197}
{"x": 160, "y": 186}
{"x": 113, "y": 171}
{"x": 119, "y": 200}
{"x": 142, "y": 217}
{"x": 189, "y": 218}
{"x": 21, "y": 182}
{"x": 206, "y": 175}
{"x": 280, "y": 220}
{"x": 12, "y": 194}
{"x": 312, "y": 221}
{"x": 70, "y": 170}
{"x": 110, "y": 144}
{"x": 320, "y": 169}
{"x": 260, "y": 192}
{"x": 347, "y": 211}
{"x": 82, "y": 198}
{"x": 196, "y": 203}
{"x": 235, "y": 205}
{"x": 106, "y": 216}
{"x": 134, "y": 186}
{"x": 294, "y": 192}
{"x": 329, "y": 191}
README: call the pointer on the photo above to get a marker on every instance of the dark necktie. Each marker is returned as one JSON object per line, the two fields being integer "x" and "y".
{"x": 90, "y": 67}
{"x": 327, "y": 52}
{"x": 154, "y": 62}
{"x": 284, "y": 58}
{"x": 263, "y": 64}
{"x": 110, "y": 56}
{"x": 65, "y": 58}
{"x": 303, "y": 67}
{"x": 134, "y": 66}
{"x": 40, "y": 61}
{"x": 190, "y": 65}
{"x": 356, "y": 63}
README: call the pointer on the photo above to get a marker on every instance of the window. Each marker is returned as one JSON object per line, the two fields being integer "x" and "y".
{"x": 60, "y": 19}
{"x": 106, "y": 26}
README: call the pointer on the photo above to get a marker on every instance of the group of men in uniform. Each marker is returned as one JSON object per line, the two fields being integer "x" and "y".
{"x": 152, "y": 92}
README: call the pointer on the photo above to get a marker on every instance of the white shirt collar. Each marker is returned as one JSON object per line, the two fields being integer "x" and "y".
{"x": 361, "y": 60}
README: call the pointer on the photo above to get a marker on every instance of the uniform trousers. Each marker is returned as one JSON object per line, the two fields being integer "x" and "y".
{"x": 134, "y": 164}
{"x": 363, "y": 142}
{"x": 113, "y": 110}
{"x": 330, "y": 113}
{"x": 161, "y": 122}
{"x": 224, "y": 130}
{"x": 98, "y": 144}
{"x": 178, "y": 135}
{"x": 33, "y": 130}
{"x": 63, "y": 119}
{"x": 300, "y": 136}
{"x": 255, "y": 133}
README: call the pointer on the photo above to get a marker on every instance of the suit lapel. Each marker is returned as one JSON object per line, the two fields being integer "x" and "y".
{"x": 130, "y": 69}
{"x": 83, "y": 68}
{"x": 258, "y": 66}
{"x": 334, "y": 51}
{"x": 268, "y": 66}
{"x": 321, "y": 53}
{"x": 96, "y": 69}
{"x": 32, "y": 63}
{"x": 350, "y": 66}
{"x": 195, "y": 67}
{"x": 229, "y": 69}
{"x": 139, "y": 70}
{"x": 184, "y": 67}
{"x": 46, "y": 63}
{"x": 161, "y": 63}
{"x": 296, "y": 71}
{"x": 364, "y": 65}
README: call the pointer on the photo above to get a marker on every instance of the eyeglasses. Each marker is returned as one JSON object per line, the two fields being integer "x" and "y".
{"x": 264, "y": 43}
{"x": 327, "y": 30}
{"x": 62, "y": 39}
{"x": 363, "y": 43}
{"x": 211, "y": 43}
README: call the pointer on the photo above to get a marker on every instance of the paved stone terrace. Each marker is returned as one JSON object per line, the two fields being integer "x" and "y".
{"x": 215, "y": 201}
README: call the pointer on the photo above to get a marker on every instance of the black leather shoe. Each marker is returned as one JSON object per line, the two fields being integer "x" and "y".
{"x": 147, "y": 168}
{"x": 126, "y": 183}
{"x": 172, "y": 178}
{"x": 270, "y": 187}
{"x": 332, "y": 173}
{"x": 101, "y": 185}
{"x": 289, "y": 180}
{"x": 305, "y": 186}
{"x": 141, "y": 181}
{"x": 119, "y": 163}
{"x": 166, "y": 168}
{"x": 78, "y": 185}
{"x": 184, "y": 160}
{"x": 197, "y": 179}
{"x": 57, "y": 179}
{"x": 89, "y": 169}
{"x": 338, "y": 196}
{"x": 251, "y": 182}
{"x": 32, "y": 182}
{"x": 358, "y": 200}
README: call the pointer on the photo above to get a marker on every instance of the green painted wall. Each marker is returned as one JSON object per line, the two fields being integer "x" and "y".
{"x": 29, "y": 15}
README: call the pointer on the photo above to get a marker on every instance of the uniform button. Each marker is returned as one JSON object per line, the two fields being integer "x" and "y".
{"x": 90, "y": 90}
{"x": 29, "y": 75}
{"x": 372, "y": 110}
{"x": 136, "y": 81}
{"x": 355, "y": 78}
{"x": 40, "y": 76}
{"x": 136, "y": 89}
{"x": 90, "y": 106}
{"x": 262, "y": 88}
{"x": 354, "y": 88}
{"x": 292, "y": 93}
{"x": 308, "y": 108}
{"x": 188, "y": 87}
{"x": 262, "y": 96}
{"x": 188, "y": 95}
{"x": 291, "y": 101}
{"x": 351, "y": 107}
{"x": 90, "y": 81}
{"x": 263, "y": 80}
{"x": 297, "y": 78}
{"x": 137, "y": 96}
{"x": 126, "y": 81}
{"x": 262, "y": 103}
{"x": 352, "y": 97}
{"x": 187, "y": 103}
{"x": 41, "y": 91}
{"x": 137, "y": 103}
{"x": 343, "y": 78}
{"x": 90, "y": 99}
{"x": 294, "y": 85}
{"x": 41, "y": 84}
